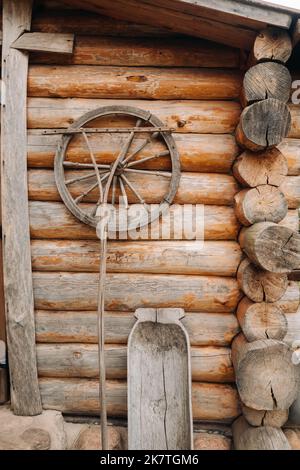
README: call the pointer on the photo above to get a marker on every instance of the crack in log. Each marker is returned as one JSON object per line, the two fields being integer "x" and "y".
{"x": 273, "y": 397}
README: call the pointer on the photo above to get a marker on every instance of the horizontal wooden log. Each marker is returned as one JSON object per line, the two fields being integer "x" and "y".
{"x": 261, "y": 320}
{"x": 139, "y": 52}
{"x": 211, "y": 441}
{"x": 135, "y": 83}
{"x": 204, "y": 329}
{"x": 260, "y": 204}
{"x": 209, "y": 364}
{"x": 53, "y": 220}
{"x": 198, "y": 152}
{"x": 291, "y": 188}
{"x": 263, "y": 125}
{"x": 274, "y": 418}
{"x": 45, "y": 42}
{"x": 290, "y": 148}
{"x": 272, "y": 247}
{"x": 266, "y": 80}
{"x": 293, "y": 333}
{"x": 291, "y": 220}
{"x": 177, "y": 257}
{"x": 295, "y": 127}
{"x": 263, "y": 369}
{"x": 246, "y": 437}
{"x": 211, "y": 117}
{"x": 290, "y": 300}
{"x": 78, "y": 291}
{"x": 211, "y": 402}
{"x": 252, "y": 169}
{"x": 260, "y": 285}
{"x": 194, "y": 188}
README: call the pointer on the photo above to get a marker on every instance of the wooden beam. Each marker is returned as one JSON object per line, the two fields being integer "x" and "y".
{"x": 45, "y": 42}
{"x": 25, "y": 395}
{"x": 296, "y": 33}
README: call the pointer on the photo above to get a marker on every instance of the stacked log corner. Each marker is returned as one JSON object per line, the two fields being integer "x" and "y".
{"x": 266, "y": 378}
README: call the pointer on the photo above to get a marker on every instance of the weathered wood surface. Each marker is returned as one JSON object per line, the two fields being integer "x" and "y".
{"x": 272, "y": 247}
{"x": 274, "y": 418}
{"x": 290, "y": 300}
{"x": 159, "y": 382}
{"x": 212, "y": 117}
{"x": 209, "y": 364}
{"x": 266, "y": 80}
{"x": 83, "y": 81}
{"x": 78, "y": 291}
{"x": 198, "y": 152}
{"x": 25, "y": 395}
{"x": 293, "y": 333}
{"x": 139, "y": 52}
{"x": 290, "y": 148}
{"x": 263, "y": 125}
{"x": 204, "y": 329}
{"x": 254, "y": 169}
{"x": 50, "y": 220}
{"x": 246, "y": 437}
{"x": 263, "y": 369}
{"x": 295, "y": 127}
{"x": 291, "y": 188}
{"x": 194, "y": 188}
{"x": 45, "y": 42}
{"x": 211, "y": 402}
{"x": 260, "y": 204}
{"x": 261, "y": 320}
{"x": 176, "y": 257}
{"x": 260, "y": 285}
{"x": 272, "y": 44}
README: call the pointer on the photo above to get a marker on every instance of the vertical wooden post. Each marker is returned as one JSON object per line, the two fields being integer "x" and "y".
{"x": 25, "y": 395}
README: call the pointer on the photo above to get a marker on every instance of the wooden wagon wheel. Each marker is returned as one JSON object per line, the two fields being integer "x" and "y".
{"x": 104, "y": 179}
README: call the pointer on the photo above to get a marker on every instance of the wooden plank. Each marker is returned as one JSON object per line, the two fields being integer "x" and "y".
{"x": 198, "y": 152}
{"x": 211, "y": 402}
{"x": 125, "y": 292}
{"x": 159, "y": 382}
{"x": 139, "y": 52}
{"x": 173, "y": 257}
{"x": 203, "y": 117}
{"x": 84, "y": 81}
{"x": 3, "y": 371}
{"x": 209, "y": 364}
{"x": 194, "y": 188}
{"x": 204, "y": 329}
{"x": 25, "y": 395}
{"x": 178, "y": 21}
{"x": 45, "y": 42}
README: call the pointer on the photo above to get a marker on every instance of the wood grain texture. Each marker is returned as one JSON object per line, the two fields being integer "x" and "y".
{"x": 177, "y": 257}
{"x": 261, "y": 320}
{"x": 272, "y": 247}
{"x": 198, "y": 152}
{"x": 266, "y": 80}
{"x": 132, "y": 83}
{"x": 260, "y": 204}
{"x": 274, "y": 418}
{"x": 25, "y": 395}
{"x": 272, "y": 44}
{"x": 254, "y": 169}
{"x": 144, "y": 52}
{"x": 290, "y": 148}
{"x": 295, "y": 127}
{"x": 45, "y": 42}
{"x": 260, "y": 285}
{"x": 263, "y": 369}
{"x": 291, "y": 189}
{"x": 246, "y": 437}
{"x": 159, "y": 382}
{"x": 263, "y": 125}
{"x": 194, "y": 188}
{"x": 211, "y": 402}
{"x": 211, "y": 117}
{"x": 53, "y": 220}
{"x": 78, "y": 291}
{"x": 290, "y": 300}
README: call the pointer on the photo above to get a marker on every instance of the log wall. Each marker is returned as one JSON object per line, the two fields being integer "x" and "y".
{"x": 193, "y": 87}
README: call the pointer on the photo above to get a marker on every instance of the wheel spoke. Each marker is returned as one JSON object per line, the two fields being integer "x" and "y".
{"x": 113, "y": 194}
{"x": 135, "y": 192}
{"x": 95, "y": 164}
{"x": 141, "y": 147}
{"x": 146, "y": 159}
{"x": 88, "y": 191}
{"x": 123, "y": 191}
{"x": 149, "y": 172}
{"x": 81, "y": 178}
{"x": 85, "y": 165}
